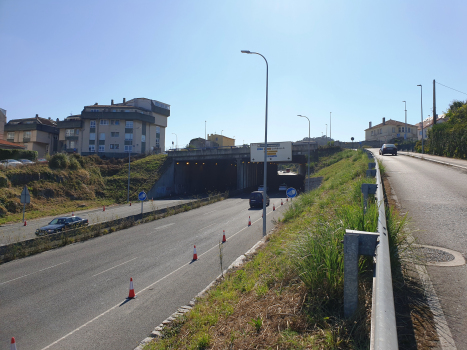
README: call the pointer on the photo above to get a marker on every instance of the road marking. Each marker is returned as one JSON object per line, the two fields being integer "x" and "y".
{"x": 207, "y": 227}
{"x": 141, "y": 291}
{"x": 29, "y": 274}
{"x": 161, "y": 227}
{"x": 114, "y": 267}
{"x": 209, "y": 212}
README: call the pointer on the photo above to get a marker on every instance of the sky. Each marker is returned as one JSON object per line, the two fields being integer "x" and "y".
{"x": 356, "y": 59}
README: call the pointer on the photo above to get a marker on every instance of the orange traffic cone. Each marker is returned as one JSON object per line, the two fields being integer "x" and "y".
{"x": 132, "y": 290}
{"x": 282, "y": 202}
{"x": 249, "y": 221}
{"x": 273, "y": 207}
{"x": 223, "y": 237}
{"x": 195, "y": 256}
{"x": 13, "y": 344}
{"x": 72, "y": 213}
{"x": 103, "y": 209}
{"x": 25, "y": 224}
{"x": 287, "y": 199}
{"x": 130, "y": 204}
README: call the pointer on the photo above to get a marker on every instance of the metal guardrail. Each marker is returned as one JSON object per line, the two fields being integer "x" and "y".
{"x": 383, "y": 318}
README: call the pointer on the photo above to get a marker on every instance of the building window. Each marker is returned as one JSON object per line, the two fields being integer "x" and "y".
{"x": 129, "y": 124}
{"x": 372, "y": 132}
{"x": 93, "y": 124}
{"x": 420, "y": 133}
{"x": 393, "y": 130}
{"x": 115, "y": 122}
{"x": 101, "y": 148}
{"x": 92, "y": 136}
{"x": 409, "y": 129}
{"x": 128, "y": 148}
{"x": 92, "y": 148}
{"x": 143, "y": 138}
{"x": 128, "y": 137}
{"x": 114, "y": 146}
{"x": 72, "y": 144}
{"x": 158, "y": 129}
{"x": 10, "y": 135}
{"x": 26, "y": 134}
{"x": 114, "y": 134}
{"x": 104, "y": 122}
{"x": 69, "y": 132}
{"x": 102, "y": 136}
{"x": 158, "y": 143}
{"x": 95, "y": 110}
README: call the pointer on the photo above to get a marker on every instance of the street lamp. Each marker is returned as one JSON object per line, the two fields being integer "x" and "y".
{"x": 307, "y": 187}
{"x": 265, "y": 143}
{"x": 326, "y": 130}
{"x": 405, "y": 135}
{"x": 176, "y": 141}
{"x": 421, "y": 108}
{"x": 330, "y": 125}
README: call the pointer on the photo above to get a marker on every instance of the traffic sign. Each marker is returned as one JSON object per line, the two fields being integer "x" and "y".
{"x": 142, "y": 196}
{"x": 25, "y": 197}
{"x": 291, "y": 192}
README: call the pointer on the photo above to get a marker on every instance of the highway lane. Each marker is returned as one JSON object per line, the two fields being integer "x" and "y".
{"x": 435, "y": 198}
{"x": 10, "y": 233}
{"x": 74, "y": 297}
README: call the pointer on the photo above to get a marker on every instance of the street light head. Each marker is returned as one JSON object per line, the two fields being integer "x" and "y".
{"x": 246, "y": 51}
{"x": 403, "y": 101}
{"x": 418, "y": 85}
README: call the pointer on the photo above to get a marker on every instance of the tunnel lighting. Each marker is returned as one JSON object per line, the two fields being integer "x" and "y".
{"x": 177, "y": 163}
{"x": 196, "y": 163}
{"x": 187, "y": 163}
{"x": 203, "y": 163}
{"x": 216, "y": 163}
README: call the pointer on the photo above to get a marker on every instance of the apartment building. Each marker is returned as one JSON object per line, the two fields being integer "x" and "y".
{"x": 389, "y": 130}
{"x": 70, "y": 136}
{"x": 34, "y": 134}
{"x": 134, "y": 126}
{"x": 2, "y": 122}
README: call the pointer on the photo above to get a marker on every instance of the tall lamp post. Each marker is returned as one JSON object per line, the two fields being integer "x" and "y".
{"x": 330, "y": 113}
{"x": 326, "y": 130}
{"x": 176, "y": 141}
{"x": 421, "y": 108}
{"x": 405, "y": 135}
{"x": 307, "y": 187}
{"x": 265, "y": 143}
{"x": 129, "y": 161}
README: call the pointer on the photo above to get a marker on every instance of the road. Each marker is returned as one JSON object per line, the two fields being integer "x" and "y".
{"x": 11, "y": 233}
{"x": 435, "y": 198}
{"x": 74, "y": 297}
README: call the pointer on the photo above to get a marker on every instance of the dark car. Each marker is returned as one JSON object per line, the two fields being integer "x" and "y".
{"x": 60, "y": 224}
{"x": 388, "y": 148}
{"x": 256, "y": 199}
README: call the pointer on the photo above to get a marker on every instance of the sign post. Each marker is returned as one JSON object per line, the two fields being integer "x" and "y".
{"x": 25, "y": 199}
{"x": 142, "y": 198}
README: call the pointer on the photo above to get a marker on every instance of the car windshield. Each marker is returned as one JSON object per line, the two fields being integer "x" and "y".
{"x": 389, "y": 145}
{"x": 256, "y": 196}
{"x": 57, "y": 221}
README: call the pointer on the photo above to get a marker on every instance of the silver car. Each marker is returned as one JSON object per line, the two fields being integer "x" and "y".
{"x": 10, "y": 162}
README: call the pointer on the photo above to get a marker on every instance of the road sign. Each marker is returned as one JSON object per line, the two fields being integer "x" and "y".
{"x": 276, "y": 152}
{"x": 291, "y": 192}
{"x": 142, "y": 196}
{"x": 25, "y": 198}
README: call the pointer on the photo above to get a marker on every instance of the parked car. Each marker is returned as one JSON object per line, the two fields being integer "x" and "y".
{"x": 256, "y": 199}
{"x": 60, "y": 224}
{"x": 10, "y": 162}
{"x": 26, "y": 161}
{"x": 388, "y": 148}
{"x": 283, "y": 187}
{"x": 42, "y": 160}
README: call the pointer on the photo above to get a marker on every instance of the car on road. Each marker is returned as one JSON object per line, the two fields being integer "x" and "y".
{"x": 283, "y": 187}
{"x": 42, "y": 160}
{"x": 26, "y": 161}
{"x": 10, "y": 162}
{"x": 388, "y": 148}
{"x": 62, "y": 223}
{"x": 256, "y": 199}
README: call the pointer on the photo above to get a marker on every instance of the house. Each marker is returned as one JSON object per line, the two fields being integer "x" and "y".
{"x": 222, "y": 140}
{"x": 10, "y": 145}
{"x": 35, "y": 134}
{"x": 428, "y": 124}
{"x": 2, "y": 122}
{"x": 199, "y": 142}
{"x": 389, "y": 130}
{"x": 70, "y": 135}
{"x": 134, "y": 126}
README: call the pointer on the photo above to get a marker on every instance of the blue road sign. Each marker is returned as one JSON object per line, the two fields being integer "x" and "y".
{"x": 142, "y": 196}
{"x": 291, "y": 192}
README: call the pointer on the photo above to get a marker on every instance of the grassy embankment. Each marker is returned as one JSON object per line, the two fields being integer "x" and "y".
{"x": 290, "y": 295}
{"x": 76, "y": 183}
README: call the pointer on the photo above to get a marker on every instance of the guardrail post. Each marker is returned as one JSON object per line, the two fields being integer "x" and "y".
{"x": 355, "y": 243}
{"x": 366, "y": 190}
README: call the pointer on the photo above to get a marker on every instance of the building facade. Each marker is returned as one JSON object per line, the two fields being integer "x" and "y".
{"x": 389, "y": 130}
{"x": 222, "y": 140}
{"x": 2, "y": 122}
{"x": 34, "y": 134}
{"x": 428, "y": 124}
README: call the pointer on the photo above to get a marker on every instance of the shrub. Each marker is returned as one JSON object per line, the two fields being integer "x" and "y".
{"x": 59, "y": 161}
{"x": 74, "y": 164}
{"x": 3, "y": 181}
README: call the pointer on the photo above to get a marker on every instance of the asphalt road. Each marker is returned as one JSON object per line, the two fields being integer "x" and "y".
{"x": 11, "y": 233}
{"x": 435, "y": 197}
{"x": 74, "y": 297}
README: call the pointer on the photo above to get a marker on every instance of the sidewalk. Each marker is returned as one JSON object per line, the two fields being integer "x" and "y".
{"x": 458, "y": 163}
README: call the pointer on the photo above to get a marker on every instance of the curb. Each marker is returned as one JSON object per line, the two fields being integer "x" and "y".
{"x": 434, "y": 160}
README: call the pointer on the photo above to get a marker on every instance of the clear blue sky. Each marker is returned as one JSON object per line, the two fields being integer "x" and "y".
{"x": 356, "y": 59}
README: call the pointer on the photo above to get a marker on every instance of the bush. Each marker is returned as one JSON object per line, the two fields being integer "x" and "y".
{"x": 3, "y": 181}
{"x": 17, "y": 154}
{"x": 74, "y": 164}
{"x": 59, "y": 161}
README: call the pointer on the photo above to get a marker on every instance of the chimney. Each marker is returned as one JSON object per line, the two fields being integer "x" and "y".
{"x": 370, "y": 125}
{"x": 111, "y": 102}
{"x": 37, "y": 115}
{"x": 124, "y": 100}
{"x": 57, "y": 120}
{"x": 384, "y": 121}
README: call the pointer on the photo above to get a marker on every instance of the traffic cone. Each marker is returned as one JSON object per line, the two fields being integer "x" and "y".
{"x": 287, "y": 199}
{"x": 223, "y": 237}
{"x": 249, "y": 221}
{"x": 72, "y": 213}
{"x": 195, "y": 256}
{"x": 103, "y": 209}
{"x": 132, "y": 290}
{"x": 25, "y": 224}
{"x": 13, "y": 344}
{"x": 273, "y": 207}
{"x": 282, "y": 203}
{"x": 130, "y": 204}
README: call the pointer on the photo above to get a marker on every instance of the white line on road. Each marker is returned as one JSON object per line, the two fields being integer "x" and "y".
{"x": 140, "y": 292}
{"x": 209, "y": 212}
{"x": 113, "y": 267}
{"x": 165, "y": 226}
{"x": 29, "y": 274}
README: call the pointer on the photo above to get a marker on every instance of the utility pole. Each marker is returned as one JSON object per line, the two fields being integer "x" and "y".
{"x": 405, "y": 135}
{"x": 434, "y": 103}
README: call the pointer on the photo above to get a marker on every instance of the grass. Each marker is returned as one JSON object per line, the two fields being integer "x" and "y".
{"x": 290, "y": 294}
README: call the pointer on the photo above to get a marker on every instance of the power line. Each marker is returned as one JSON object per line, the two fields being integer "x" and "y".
{"x": 451, "y": 88}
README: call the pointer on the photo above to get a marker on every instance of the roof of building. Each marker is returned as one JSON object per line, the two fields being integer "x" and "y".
{"x": 35, "y": 120}
{"x": 9, "y": 145}
{"x": 389, "y": 122}
{"x": 429, "y": 121}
